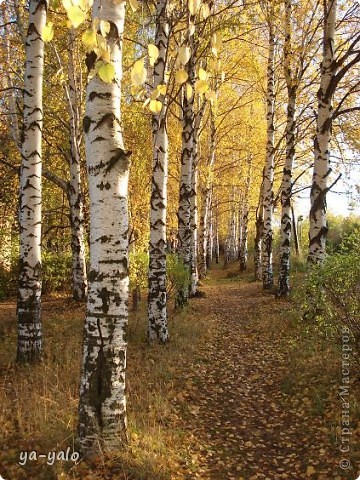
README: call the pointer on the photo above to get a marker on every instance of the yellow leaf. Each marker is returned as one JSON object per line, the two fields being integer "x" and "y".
{"x": 76, "y": 16}
{"x": 105, "y": 54}
{"x": 202, "y": 74}
{"x": 216, "y": 43}
{"x": 138, "y": 73}
{"x": 104, "y": 27}
{"x": 48, "y": 32}
{"x": 310, "y": 471}
{"x": 147, "y": 101}
{"x": 67, "y": 4}
{"x": 161, "y": 89}
{"x": 184, "y": 55}
{"x": 153, "y": 52}
{"x": 181, "y": 76}
{"x": 155, "y": 106}
{"x": 107, "y": 72}
{"x": 134, "y": 4}
{"x": 191, "y": 29}
{"x": 217, "y": 66}
{"x": 194, "y": 6}
{"x": 205, "y": 11}
{"x": 201, "y": 86}
{"x": 210, "y": 95}
{"x": 88, "y": 38}
{"x": 188, "y": 91}
{"x": 154, "y": 94}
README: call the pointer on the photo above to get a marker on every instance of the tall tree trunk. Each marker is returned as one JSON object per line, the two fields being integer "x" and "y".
{"x": 194, "y": 221}
{"x": 259, "y": 225}
{"x": 194, "y": 200}
{"x": 187, "y": 149}
{"x": 268, "y": 196}
{"x": 286, "y": 185}
{"x": 29, "y": 346}
{"x": 102, "y": 407}
{"x": 245, "y": 220}
{"x": 158, "y": 327}
{"x": 74, "y": 189}
{"x": 232, "y": 229}
{"x": 206, "y": 202}
{"x": 319, "y": 188}
{"x": 210, "y": 240}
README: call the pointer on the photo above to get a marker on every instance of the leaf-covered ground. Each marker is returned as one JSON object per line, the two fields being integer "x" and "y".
{"x": 243, "y": 391}
{"x": 248, "y": 413}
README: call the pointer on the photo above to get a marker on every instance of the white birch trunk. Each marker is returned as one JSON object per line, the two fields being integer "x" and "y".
{"x": 184, "y": 212}
{"x": 29, "y": 297}
{"x": 268, "y": 197}
{"x": 157, "y": 315}
{"x": 259, "y": 224}
{"x": 232, "y": 230}
{"x": 194, "y": 201}
{"x": 286, "y": 184}
{"x": 75, "y": 196}
{"x": 206, "y": 203}
{"x": 194, "y": 221}
{"x": 210, "y": 241}
{"x": 102, "y": 407}
{"x": 319, "y": 188}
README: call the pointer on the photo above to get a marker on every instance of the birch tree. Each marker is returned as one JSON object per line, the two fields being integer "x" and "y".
{"x": 286, "y": 185}
{"x": 333, "y": 71}
{"x": 187, "y": 149}
{"x": 268, "y": 196}
{"x": 243, "y": 252}
{"x": 74, "y": 190}
{"x": 158, "y": 329}
{"x": 29, "y": 346}
{"x": 206, "y": 198}
{"x": 102, "y": 407}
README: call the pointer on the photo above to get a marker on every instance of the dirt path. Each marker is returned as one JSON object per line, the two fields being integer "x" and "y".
{"x": 242, "y": 424}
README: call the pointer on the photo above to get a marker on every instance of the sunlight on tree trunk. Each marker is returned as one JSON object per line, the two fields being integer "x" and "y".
{"x": 268, "y": 196}
{"x": 102, "y": 407}
{"x": 286, "y": 185}
{"x": 157, "y": 327}
{"x": 74, "y": 188}
{"x": 29, "y": 296}
{"x": 319, "y": 188}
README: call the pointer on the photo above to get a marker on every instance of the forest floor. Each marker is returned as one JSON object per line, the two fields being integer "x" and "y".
{"x": 243, "y": 391}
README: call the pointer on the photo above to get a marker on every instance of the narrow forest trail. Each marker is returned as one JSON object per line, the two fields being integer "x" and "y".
{"x": 241, "y": 423}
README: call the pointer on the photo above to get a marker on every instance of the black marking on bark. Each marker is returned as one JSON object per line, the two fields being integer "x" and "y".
{"x": 90, "y": 61}
{"x": 108, "y": 119}
{"x": 102, "y": 96}
{"x": 120, "y": 155}
{"x": 105, "y": 297}
{"x": 86, "y": 124}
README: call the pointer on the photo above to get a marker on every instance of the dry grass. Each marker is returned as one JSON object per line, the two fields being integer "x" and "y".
{"x": 38, "y": 404}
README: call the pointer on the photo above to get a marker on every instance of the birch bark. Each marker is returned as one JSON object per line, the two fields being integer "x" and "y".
{"x": 157, "y": 315}
{"x": 319, "y": 188}
{"x": 29, "y": 346}
{"x": 102, "y": 406}
{"x": 207, "y": 192}
{"x": 75, "y": 196}
{"x": 286, "y": 184}
{"x": 268, "y": 196}
{"x": 184, "y": 212}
